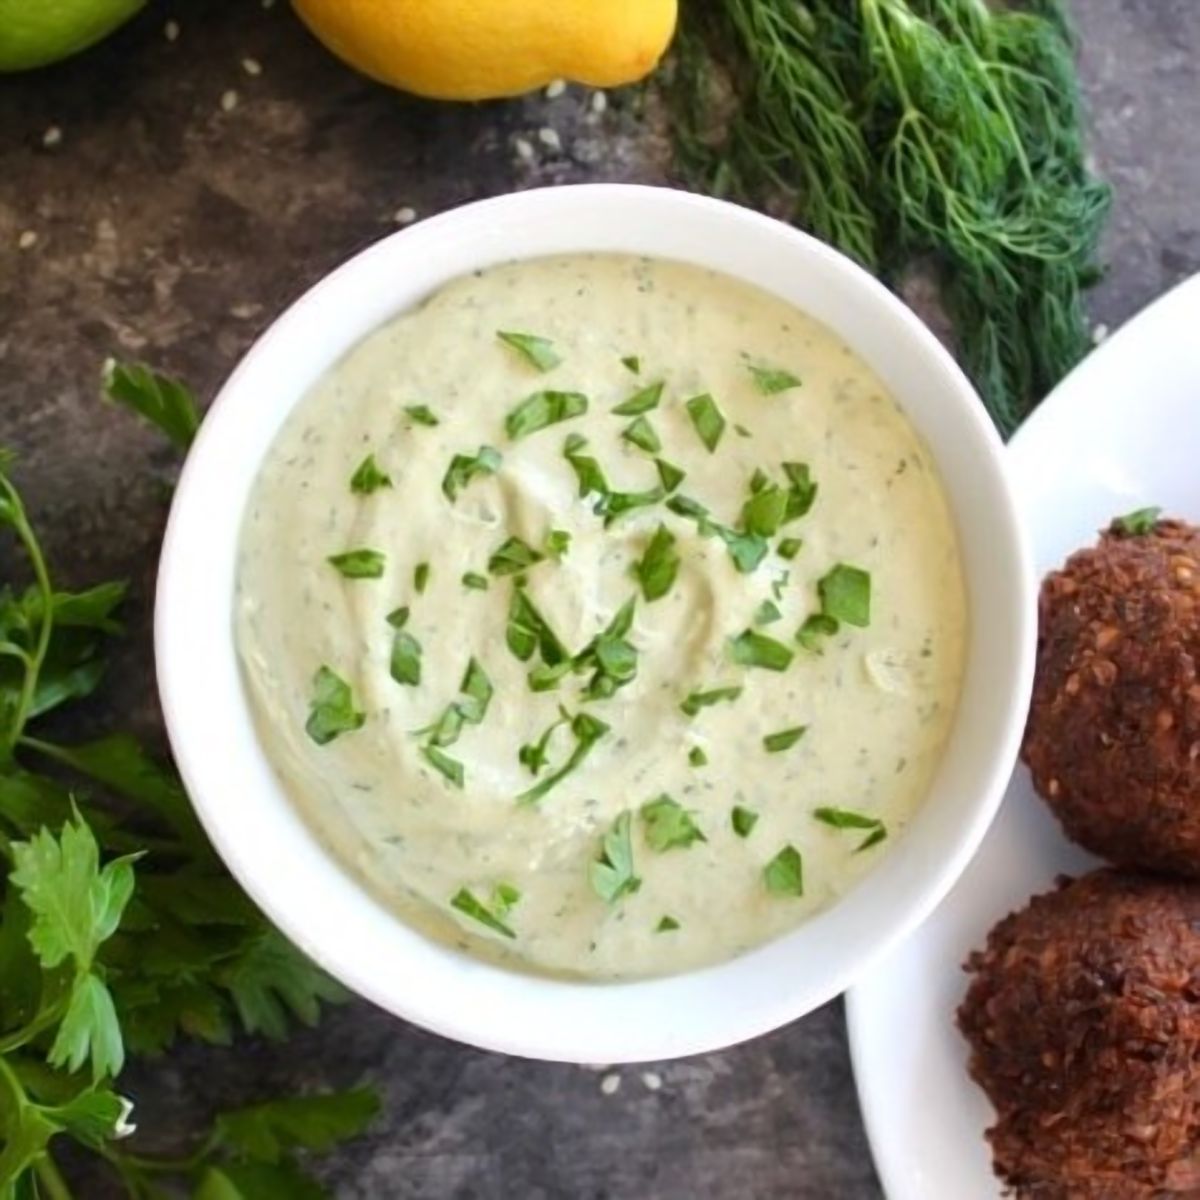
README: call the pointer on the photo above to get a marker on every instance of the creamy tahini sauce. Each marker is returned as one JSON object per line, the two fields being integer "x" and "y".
{"x": 878, "y": 703}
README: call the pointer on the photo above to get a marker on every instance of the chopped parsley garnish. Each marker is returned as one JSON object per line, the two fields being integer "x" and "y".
{"x": 746, "y": 549}
{"x": 421, "y": 577}
{"x": 538, "y": 352}
{"x": 765, "y": 511}
{"x": 778, "y": 585}
{"x": 478, "y": 690}
{"x": 698, "y": 700}
{"x": 405, "y": 664}
{"x": 467, "y": 904}
{"x": 751, "y": 649}
{"x": 666, "y": 924}
{"x": 513, "y": 557}
{"x": 420, "y": 414}
{"x": 558, "y": 542}
{"x": 587, "y": 470}
{"x": 742, "y": 431}
{"x": 541, "y": 410}
{"x": 369, "y": 477}
{"x": 632, "y": 364}
{"x": 610, "y": 655}
{"x": 845, "y": 593}
{"x": 784, "y": 874}
{"x": 743, "y": 820}
{"x": 845, "y": 818}
{"x": 640, "y": 433}
{"x": 358, "y": 564}
{"x": 331, "y": 710}
{"x": 642, "y": 401}
{"x": 802, "y": 490}
{"x": 466, "y": 467}
{"x": 545, "y": 679}
{"x": 815, "y": 630}
{"x": 669, "y": 826}
{"x": 697, "y": 757}
{"x": 475, "y": 581}
{"x": 659, "y": 565}
{"x": 770, "y": 381}
{"x": 788, "y": 548}
{"x": 1137, "y": 523}
{"x": 785, "y": 739}
{"x": 528, "y": 631}
{"x": 612, "y": 873}
{"x": 707, "y": 419}
{"x": 535, "y": 755}
{"x": 669, "y": 475}
{"x": 618, "y": 504}
{"x": 685, "y": 506}
{"x": 767, "y": 613}
{"x": 449, "y": 767}
{"x": 587, "y": 731}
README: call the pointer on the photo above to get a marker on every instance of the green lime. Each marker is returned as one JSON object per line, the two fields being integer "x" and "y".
{"x": 36, "y": 32}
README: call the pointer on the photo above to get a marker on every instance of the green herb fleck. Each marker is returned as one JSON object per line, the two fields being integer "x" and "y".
{"x": 669, "y": 826}
{"x": 872, "y": 839}
{"x": 770, "y": 381}
{"x": 697, "y": 757}
{"x": 743, "y": 820}
{"x": 449, "y": 767}
{"x": 788, "y": 548}
{"x": 642, "y": 401}
{"x": 513, "y": 557}
{"x": 420, "y": 414}
{"x": 535, "y": 755}
{"x": 421, "y": 577}
{"x": 640, "y": 433}
{"x": 587, "y": 731}
{"x": 751, "y": 649}
{"x": 802, "y": 490}
{"x": 1137, "y": 523}
{"x": 558, "y": 542}
{"x": 746, "y": 549}
{"x": 478, "y": 690}
{"x": 666, "y": 924}
{"x": 467, "y": 904}
{"x": 466, "y": 467}
{"x": 541, "y": 410}
{"x": 784, "y": 874}
{"x": 545, "y": 679}
{"x": 785, "y": 739}
{"x": 587, "y": 469}
{"x": 369, "y": 478}
{"x": 742, "y": 431}
{"x": 612, "y": 873}
{"x": 331, "y": 710}
{"x": 845, "y": 818}
{"x": 698, "y": 700}
{"x": 538, "y": 352}
{"x": 612, "y": 657}
{"x": 669, "y": 475}
{"x": 475, "y": 581}
{"x": 707, "y": 419}
{"x": 359, "y": 564}
{"x": 528, "y": 631}
{"x": 815, "y": 630}
{"x": 405, "y": 664}
{"x": 632, "y": 364}
{"x": 845, "y": 593}
{"x": 767, "y": 613}
{"x": 765, "y": 511}
{"x": 619, "y": 504}
{"x": 658, "y": 567}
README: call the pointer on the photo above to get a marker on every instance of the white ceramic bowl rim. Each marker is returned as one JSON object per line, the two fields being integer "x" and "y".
{"x": 272, "y": 852}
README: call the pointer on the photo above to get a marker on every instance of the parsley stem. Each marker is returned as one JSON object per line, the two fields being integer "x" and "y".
{"x": 35, "y": 1025}
{"x": 173, "y": 1166}
{"x": 53, "y": 1185}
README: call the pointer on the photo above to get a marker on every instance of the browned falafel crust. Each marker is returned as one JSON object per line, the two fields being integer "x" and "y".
{"x": 1083, "y": 1017}
{"x": 1113, "y": 739}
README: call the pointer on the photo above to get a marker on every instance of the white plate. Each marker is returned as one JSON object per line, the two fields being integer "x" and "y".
{"x": 1122, "y": 431}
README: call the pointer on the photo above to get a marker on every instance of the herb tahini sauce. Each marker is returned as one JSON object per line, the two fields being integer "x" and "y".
{"x": 417, "y": 553}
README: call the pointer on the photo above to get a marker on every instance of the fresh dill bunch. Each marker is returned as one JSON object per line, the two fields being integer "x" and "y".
{"x": 923, "y": 131}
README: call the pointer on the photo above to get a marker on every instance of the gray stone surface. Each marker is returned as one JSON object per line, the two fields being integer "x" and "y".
{"x": 171, "y": 228}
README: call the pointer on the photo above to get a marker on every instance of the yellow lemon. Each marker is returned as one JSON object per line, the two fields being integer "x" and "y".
{"x": 480, "y": 49}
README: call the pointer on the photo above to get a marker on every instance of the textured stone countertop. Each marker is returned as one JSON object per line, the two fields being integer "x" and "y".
{"x": 188, "y": 201}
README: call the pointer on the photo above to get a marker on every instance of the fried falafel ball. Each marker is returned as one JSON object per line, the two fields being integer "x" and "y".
{"x": 1113, "y": 739}
{"x": 1083, "y": 1017}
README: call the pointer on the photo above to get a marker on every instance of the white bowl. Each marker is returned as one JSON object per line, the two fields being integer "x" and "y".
{"x": 325, "y": 911}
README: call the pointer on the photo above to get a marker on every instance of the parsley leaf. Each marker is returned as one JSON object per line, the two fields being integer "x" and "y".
{"x": 658, "y": 567}
{"x": 815, "y": 629}
{"x": 669, "y": 475}
{"x": 405, "y": 665}
{"x": 266, "y": 1132}
{"x": 359, "y": 564}
{"x": 1137, "y": 523}
{"x": 641, "y": 433}
{"x": 612, "y": 656}
{"x": 845, "y": 593}
{"x": 698, "y": 700}
{"x": 618, "y": 504}
{"x": 369, "y": 477}
{"x": 785, "y": 739}
{"x": 541, "y": 410}
{"x": 528, "y": 631}
{"x": 765, "y": 511}
{"x": 587, "y": 470}
{"x": 159, "y": 399}
{"x": 535, "y": 755}
{"x": 743, "y": 820}
{"x": 845, "y": 818}
{"x": 420, "y": 414}
{"x": 612, "y": 873}
{"x": 513, "y": 557}
{"x": 770, "y": 381}
{"x": 449, "y": 767}
{"x": 332, "y": 710}
{"x": 558, "y": 542}
{"x": 802, "y": 490}
{"x": 538, "y": 352}
{"x": 89, "y": 1030}
{"x": 752, "y": 649}
{"x": 466, "y": 467}
{"x": 587, "y": 731}
{"x": 708, "y": 420}
{"x": 465, "y": 902}
{"x": 784, "y": 874}
{"x": 668, "y": 825}
{"x": 746, "y": 549}
{"x": 642, "y": 401}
